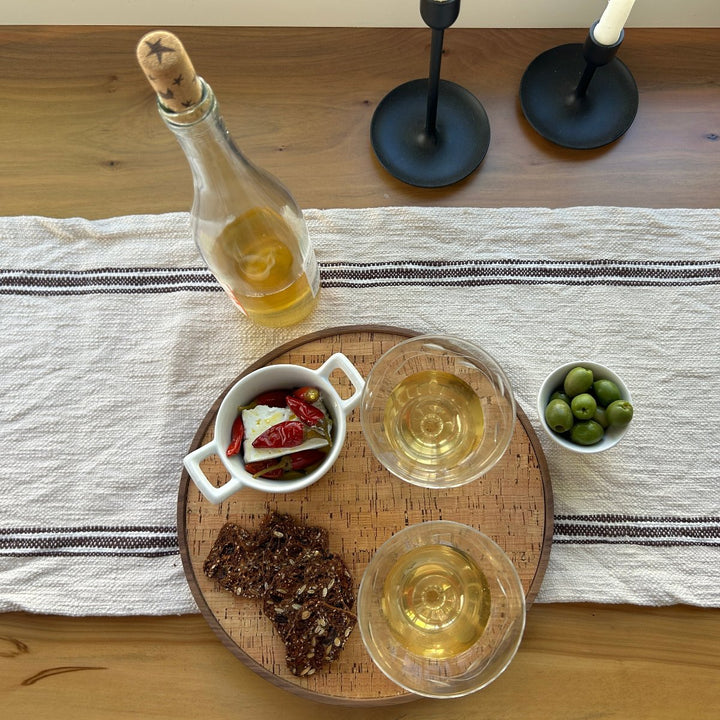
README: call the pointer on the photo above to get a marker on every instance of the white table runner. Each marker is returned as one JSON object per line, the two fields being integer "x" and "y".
{"x": 116, "y": 341}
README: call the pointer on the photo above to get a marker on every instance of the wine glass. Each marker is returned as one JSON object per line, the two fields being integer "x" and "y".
{"x": 437, "y": 411}
{"x": 441, "y": 609}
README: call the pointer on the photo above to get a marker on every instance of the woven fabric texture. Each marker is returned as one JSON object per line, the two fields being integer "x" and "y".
{"x": 116, "y": 340}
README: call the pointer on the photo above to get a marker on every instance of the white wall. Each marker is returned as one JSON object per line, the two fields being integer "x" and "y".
{"x": 349, "y": 13}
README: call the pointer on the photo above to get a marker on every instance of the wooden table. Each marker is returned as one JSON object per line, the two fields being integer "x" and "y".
{"x": 80, "y": 136}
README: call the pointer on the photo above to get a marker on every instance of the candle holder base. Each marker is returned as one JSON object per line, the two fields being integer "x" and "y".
{"x": 410, "y": 153}
{"x": 554, "y": 109}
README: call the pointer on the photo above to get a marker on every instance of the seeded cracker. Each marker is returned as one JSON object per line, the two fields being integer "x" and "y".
{"x": 307, "y": 592}
{"x": 281, "y": 535}
{"x": 228, "y": 554}
{"x": 318, "y": 633}
{"x": 243, "y": 563}
{"x": 314, "y": 575}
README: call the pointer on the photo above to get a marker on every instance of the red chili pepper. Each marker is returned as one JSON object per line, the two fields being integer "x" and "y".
{"x": 312, "y": 416}
{"x": 308, "y": 413}
{"x": 271, "y": 398}
{"x": 269, "y": 469}
{"x": 277, "y": 467}
{"x": 281, "y": 435}
{"x": 305, "y": 458}
{"x": 236, "y": 436}
{"x": 307, "y": 393}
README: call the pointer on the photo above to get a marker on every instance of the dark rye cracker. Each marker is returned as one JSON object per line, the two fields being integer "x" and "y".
{"x": 307, "y": 591}
{"x": 279, "y": 538}
{"x": 228, "y": 554}
{"x": 318, "y": 633}
{"x": 243, "y": 563}
{"x": 312, "y": 575}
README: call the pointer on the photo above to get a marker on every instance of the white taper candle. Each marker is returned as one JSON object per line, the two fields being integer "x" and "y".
{"x": 608, "y": 29}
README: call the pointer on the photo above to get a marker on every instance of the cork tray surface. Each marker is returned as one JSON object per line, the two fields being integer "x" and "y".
{"x": 361, "y": 505}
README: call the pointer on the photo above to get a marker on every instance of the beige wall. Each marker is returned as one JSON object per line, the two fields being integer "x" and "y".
{"x": 350, "y": 13}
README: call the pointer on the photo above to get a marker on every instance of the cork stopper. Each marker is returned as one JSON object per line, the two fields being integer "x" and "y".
{"x": 169, "y": 70}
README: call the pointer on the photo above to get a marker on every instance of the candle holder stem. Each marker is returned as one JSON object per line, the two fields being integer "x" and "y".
{"x": 587, "y": 75}
{"x": 580, "y": 96}
{"x": 436, "y": 47}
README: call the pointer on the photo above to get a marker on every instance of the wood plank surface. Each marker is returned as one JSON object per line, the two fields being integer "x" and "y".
{"x": 575, "y": 662}
{"x": 80, "y": 136}
{"x": 512, "y": 504}
{"x": 80, "y": 133}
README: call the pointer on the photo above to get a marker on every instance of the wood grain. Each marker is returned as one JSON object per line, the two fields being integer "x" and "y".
{"x": 80, "y": 136}
{"x": 361, "y": 505}
{"x": 575, "y": 662}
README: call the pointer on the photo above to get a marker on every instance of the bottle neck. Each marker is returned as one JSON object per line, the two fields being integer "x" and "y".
{"x": 201, "y": 133}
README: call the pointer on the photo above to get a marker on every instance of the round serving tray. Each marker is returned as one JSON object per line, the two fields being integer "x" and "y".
{"x": 361, "y": 505}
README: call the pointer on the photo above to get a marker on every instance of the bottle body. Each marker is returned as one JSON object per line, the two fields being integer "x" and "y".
{"x": 247, "y": 226}
{"x": 258, "y": 258}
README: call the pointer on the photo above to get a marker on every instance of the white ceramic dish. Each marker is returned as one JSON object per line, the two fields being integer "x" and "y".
{"x": 264, "y": 379}
{"x": 554, "y": 382}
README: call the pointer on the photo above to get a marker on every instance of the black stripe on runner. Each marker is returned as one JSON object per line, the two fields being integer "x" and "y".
{"x": 92, "y": 540}
{"x": 487, "y": 282}
{"x": 637, "y": 530}
{"x": 528, "y": 268}
{"x": 161, "y": 540}
{"x": 137, "y": 280}
{"x": 647, "y": 543}
{"x": 68, "y": 553}
{"x": 34, "y": 530}
{"x": 631, "y": 531}
{"x": 430, "y": 273}
{"x": 612, "y": 518}
{"x": 58, "y": 542}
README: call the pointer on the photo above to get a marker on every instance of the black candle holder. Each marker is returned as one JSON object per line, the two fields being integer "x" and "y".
{"x": 580, "y": 96}
{"x": 431, "y": 132}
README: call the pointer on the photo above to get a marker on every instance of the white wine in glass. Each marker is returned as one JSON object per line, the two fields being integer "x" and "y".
{"x": 436, "y": 601}
{"x": 434, "y": 418}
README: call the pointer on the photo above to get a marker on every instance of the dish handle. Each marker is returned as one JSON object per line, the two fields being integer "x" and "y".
{"x": 214, "y": 494}
{"x": 338, "y": 361}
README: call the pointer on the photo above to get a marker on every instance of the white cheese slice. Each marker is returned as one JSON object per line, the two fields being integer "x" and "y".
{"x": 257, "y": 420}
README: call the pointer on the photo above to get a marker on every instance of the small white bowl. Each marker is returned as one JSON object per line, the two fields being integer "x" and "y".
{"x": 273, "y": 377}
{"x": 554, "y": 382}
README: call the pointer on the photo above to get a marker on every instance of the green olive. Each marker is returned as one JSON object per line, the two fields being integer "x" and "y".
{"x": 559, "y": 416}
{"x": 561, "y": 395}
{"x": 606, "y": 391}
{"x": 600, "y": 416}
{"x": 619, "y": 413}
{"x": 586, "y": 432}
{"x": 577, "y": 381}
{"x": 583, "y": 406}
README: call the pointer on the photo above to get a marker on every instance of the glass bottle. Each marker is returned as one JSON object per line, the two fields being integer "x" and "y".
{"x": 248, "y": 228}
